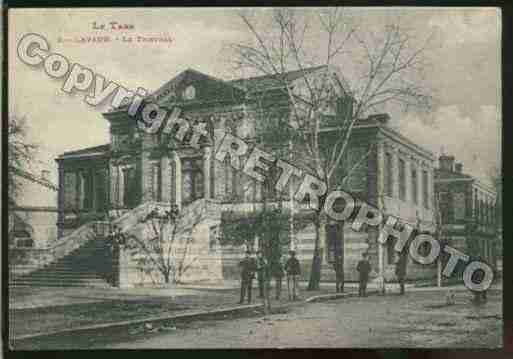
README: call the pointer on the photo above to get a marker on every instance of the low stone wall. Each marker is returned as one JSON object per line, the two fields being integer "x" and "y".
{"x": 26, "y": 260}
{"x": 201, "y": 261}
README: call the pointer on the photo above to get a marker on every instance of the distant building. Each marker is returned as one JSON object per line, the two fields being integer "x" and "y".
{"x": 390, "y": 171}
{"x": 33, "y": 214}
{"x": 468, "y": 211}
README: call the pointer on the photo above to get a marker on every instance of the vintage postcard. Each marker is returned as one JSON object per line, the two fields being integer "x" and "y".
{"x": 254, "y": 178}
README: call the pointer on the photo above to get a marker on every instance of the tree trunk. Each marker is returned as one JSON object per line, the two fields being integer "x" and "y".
{"x": 166, "y": 277}
{"x": 317, "y": 260}
{"x": 342, "y": 254}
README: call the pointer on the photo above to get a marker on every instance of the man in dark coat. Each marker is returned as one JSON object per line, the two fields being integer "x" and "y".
{"x": 293, "y": 270}
{"x": 338, "y": 266}
{"x": 248, "y": 268}
{"x": 400, "y": 270}
{"x": 262, "y": 273}
{"x": 364, "y": 268}
{"x": 277, "y": 273}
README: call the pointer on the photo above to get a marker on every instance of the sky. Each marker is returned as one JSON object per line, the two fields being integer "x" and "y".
{"x": 464, "y": 72}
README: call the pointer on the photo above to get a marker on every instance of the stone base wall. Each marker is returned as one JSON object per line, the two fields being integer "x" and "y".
{"x": 355, "y": 243}
{"x": 199, "y": 256}
{"x": 41, "y": 225}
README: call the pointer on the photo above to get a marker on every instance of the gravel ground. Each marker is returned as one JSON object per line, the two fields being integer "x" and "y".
{"x": 420, "y": 320}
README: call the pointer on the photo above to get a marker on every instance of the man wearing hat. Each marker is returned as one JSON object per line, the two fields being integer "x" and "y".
{"x": 248, "y": 268}
{"x": 262, "y": 275}
{"x": 293, "y": 270}
{"x": 364, "y": 268}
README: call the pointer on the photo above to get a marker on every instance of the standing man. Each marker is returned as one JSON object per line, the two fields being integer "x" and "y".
{"x": 248, "y": 267}
{"x": 400, "y": 270}
{"x": 277, "y": 273}
{"x": 338, "y": 266}
{"x": 261, "y": 273}
{"x": 364, "y": 268}
{"x": 293, "y": 270}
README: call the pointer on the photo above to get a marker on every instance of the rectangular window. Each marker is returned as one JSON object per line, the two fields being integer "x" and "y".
{"x": 414, "y": 186}
{"x": 70, "y": 185}
{"x": 101, "y": 189}
{"x": 86, "y": 188}
{"x": 389, "y": 185}
{"x": 425, "y": 189}
{"x": 129, "y": 187}
{"x": 402, "y": 180}
{"x": 444, "y": 207}
{"x": 156, "y": 182}
{"x": 192, "y": 179}
{"x": 459, "y": 205}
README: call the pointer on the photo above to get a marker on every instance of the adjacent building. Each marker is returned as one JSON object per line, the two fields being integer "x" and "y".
{"x": 468, "y": 212}
{"x": 33, "y": 213}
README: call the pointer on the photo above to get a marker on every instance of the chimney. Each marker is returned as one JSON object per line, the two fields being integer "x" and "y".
{"x": 446, "y": 163}
{"x": 45, "y": 175}
{"x": 458, "y": 167}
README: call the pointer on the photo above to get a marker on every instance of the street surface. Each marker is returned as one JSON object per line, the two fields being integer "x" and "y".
{"x": 420, "y": 319}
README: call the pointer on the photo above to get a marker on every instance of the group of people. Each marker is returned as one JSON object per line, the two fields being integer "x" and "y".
{"x": 364, "y": 269}
{"x": 264, "y": 271}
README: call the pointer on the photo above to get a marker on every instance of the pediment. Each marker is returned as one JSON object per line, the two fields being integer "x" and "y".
{"x": 191, "y": 86}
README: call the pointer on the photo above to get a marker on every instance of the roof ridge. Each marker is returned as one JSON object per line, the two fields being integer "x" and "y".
{"x": 274, "y": 75}
{"x": 87, "y": 148}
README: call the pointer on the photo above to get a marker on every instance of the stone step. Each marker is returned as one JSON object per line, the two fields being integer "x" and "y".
{"x": 69, "y": 274}
{"x": 61, "y": 281}
{"x": 97, "y": 284}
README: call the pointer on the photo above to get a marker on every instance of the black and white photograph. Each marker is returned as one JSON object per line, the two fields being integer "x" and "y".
{"x": 256, "y": 177}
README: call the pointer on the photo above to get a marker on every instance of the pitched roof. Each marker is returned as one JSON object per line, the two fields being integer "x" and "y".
{"x": 255, "y": 83}
{"x": 86, "y": 152}
{"x": 444, "y": 174}
{"x": 258, "y": 83}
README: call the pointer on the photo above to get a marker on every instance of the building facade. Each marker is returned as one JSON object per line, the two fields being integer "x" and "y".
{"x": 468, "y": 212}
{"x": 33, "y": 213}
{"x": 137, "y": 167}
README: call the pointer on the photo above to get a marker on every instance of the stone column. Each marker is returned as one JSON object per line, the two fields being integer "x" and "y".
{"x": 420, "y": 188}
{"x": 395, "y": 173}
{"x": 177, "y": 176}
{"x": 407, "y": 179}
{"x": 431, "y": 190}
{"x": 207, "y": 153}
{"x": 380, "y": 170}
{"x": 60, "y": 202}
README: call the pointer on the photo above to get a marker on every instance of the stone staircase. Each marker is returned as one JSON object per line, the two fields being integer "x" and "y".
{"x": 84, "y": 260}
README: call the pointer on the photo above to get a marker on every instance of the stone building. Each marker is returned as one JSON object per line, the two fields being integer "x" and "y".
{"x": 136, "y": 167}
{"x": 467, "y": 208}
{"x": 33, "y": 213}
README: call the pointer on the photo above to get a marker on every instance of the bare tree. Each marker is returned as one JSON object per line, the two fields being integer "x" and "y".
{"x": 388, "y": 65}
{"x": 20, "y": 152}
{"x": 160, "y": 241}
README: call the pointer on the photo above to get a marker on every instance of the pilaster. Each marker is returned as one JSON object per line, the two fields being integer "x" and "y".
{"x": 177, "y": 177}
{"x": 60, "y": 202}
{"x": 207, "y": 154}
